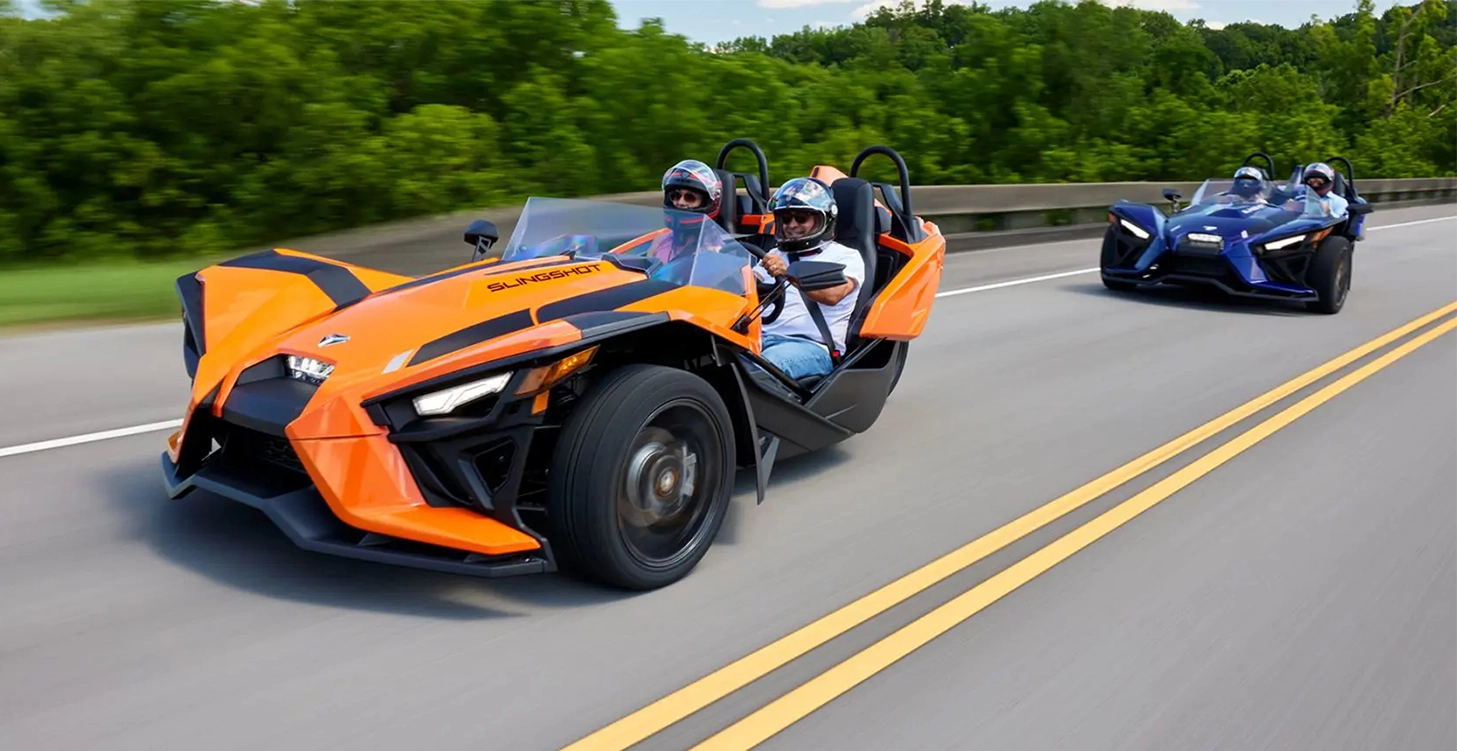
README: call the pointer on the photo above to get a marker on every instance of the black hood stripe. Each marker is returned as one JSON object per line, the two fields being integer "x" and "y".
{"x": 339, "y": 283}
{"x": 599, "y": 301}
{"x": 473, "y": 335}
{"x": 610, "y": 298}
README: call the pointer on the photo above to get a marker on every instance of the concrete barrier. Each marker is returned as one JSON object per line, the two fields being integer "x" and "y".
{"x": 973, "y": 217}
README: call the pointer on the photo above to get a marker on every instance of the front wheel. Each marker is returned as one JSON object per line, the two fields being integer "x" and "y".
{"x": 641, "y": 477}
{"x": 1330, "y": 275}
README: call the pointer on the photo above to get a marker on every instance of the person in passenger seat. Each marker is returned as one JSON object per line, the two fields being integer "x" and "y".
{"x": 688, "y": 186}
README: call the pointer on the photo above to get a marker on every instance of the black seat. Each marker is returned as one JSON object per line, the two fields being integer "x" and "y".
{"x": 855, "y": 227}
{"x": 734, "y": 207}
{"x": 728, "y": 205}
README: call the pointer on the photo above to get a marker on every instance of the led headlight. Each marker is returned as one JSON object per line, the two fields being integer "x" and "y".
{"x": 1201, "y": 237}
{"x": 1140, "y": 232}
{"x": 1284, "y": 242}
{"x": 445, "y": 401}
{"x": 308, "y": 369}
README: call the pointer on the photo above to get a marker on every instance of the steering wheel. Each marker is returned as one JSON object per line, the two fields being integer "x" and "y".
{"x": 768, "y": 290}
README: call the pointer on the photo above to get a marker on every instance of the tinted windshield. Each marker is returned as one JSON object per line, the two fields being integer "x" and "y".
{"x": 1225, "y": 191}
{"x": 1309, "y": 205}
{"x": 679, "y": 247}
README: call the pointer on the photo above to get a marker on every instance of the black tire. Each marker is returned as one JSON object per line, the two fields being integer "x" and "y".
{"x": 617, "y": 433}
{"x": 1330, "y": 275}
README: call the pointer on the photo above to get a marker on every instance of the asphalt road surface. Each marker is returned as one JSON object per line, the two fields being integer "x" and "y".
{"x": 1298, "y": 591}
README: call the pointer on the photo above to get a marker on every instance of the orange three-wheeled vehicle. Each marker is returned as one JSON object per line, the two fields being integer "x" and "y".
{"x": 564, "y": 398}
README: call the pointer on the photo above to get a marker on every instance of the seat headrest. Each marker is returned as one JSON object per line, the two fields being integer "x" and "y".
{"x": 855, "y": 225}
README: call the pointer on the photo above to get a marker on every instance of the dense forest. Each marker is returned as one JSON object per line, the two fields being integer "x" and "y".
{"x": 145, "y": 128}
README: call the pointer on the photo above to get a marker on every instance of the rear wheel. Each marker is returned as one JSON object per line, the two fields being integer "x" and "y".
{"x": 1330, "y": 275}
{"x": 641, "y": 477}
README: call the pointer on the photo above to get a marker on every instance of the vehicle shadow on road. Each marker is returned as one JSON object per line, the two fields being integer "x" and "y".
{"x": 785, "y": 473}
{"x": 237, "y": 546}
{"x": 1196, "y": 298}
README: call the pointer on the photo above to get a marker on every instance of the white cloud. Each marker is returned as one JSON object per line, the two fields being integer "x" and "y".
{"x": 1215, "y": 25}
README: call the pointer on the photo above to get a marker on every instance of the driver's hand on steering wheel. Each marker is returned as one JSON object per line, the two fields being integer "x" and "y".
{"x": 775, "y": 264}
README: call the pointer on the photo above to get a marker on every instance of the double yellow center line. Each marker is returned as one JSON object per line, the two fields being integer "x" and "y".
{"x": 791, "y": 707}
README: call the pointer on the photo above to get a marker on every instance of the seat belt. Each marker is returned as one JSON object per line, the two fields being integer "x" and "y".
{"x": 819, "y": 319}
{"x": 818, "y": 316}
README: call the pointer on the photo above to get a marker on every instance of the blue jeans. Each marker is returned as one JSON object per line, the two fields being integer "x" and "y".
{"x": 797, "y": 357}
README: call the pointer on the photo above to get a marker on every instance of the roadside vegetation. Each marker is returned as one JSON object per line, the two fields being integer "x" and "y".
{"x": 148, "y": 130}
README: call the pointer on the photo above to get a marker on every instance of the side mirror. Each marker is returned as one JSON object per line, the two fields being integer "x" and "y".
{"x": 482, "y": 234}
{"x": 815, "y": 275}
{"x": 1172, "y": 195}
{"x": 1360, "y": 209}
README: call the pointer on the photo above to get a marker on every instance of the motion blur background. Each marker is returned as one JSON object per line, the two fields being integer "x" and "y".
{"x": 171, "y": 131}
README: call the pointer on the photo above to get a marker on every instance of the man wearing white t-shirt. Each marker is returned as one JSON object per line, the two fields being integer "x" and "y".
{"x": 804, "y": 223}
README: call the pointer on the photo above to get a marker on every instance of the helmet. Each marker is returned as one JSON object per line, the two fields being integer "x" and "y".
{"x": 1322, "y": 171}
{"x": 1247, "y": 182}
{"x": 800, "y": 196}
{"x": 691, "y": 174}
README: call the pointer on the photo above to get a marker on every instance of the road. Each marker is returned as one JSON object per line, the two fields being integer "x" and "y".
{"x": 1301, "y": 595}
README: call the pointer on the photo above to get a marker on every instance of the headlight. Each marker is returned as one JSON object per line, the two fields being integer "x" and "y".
{"x": 446, "y": 400}
{"x": 1201, "y": 237}
{"x": 308, "y": 369}
{"x": 1140, "y": 232}
{"x": 1284, "y": 242}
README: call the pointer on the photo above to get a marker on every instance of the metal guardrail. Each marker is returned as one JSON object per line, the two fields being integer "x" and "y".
{"x": 973, "y": 217}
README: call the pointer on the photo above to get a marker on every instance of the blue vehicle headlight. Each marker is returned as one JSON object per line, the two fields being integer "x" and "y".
{"x": 1282, "y": 243}
{"x": 1138, "y": 231}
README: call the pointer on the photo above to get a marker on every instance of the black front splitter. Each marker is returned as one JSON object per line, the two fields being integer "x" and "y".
{"x": 308, "y": 521}
{"x": 1188, "y": 280}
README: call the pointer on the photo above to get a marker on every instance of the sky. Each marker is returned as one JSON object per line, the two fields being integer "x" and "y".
{"x": 711, "y": 21}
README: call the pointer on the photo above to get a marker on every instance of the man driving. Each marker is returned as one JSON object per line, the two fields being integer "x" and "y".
{"x": 800, "y": 340}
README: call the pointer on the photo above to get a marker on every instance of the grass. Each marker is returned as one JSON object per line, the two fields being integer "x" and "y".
{"x": 120, "y": 290}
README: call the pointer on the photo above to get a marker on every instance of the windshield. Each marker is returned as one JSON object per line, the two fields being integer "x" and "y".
{"x": 1226, "y": 191}
{"x": 675, "y": 246}
{"x": 1309, "y": 205}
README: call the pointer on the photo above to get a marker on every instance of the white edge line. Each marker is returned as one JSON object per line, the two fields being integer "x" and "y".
{"x": 104, "y": 435}
{"x": 1014, "y": 282}
{"x": 30, "y": 448}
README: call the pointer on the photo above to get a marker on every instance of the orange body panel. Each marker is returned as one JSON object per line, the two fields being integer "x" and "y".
{"x": 366, "y": 484}
{"x": 901, "y": 309}
{"x": 709, "y": 309}
{"x": 254, "y": 314}
{"x": 827, "y": 174}
{"x": 552, "y": 334}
